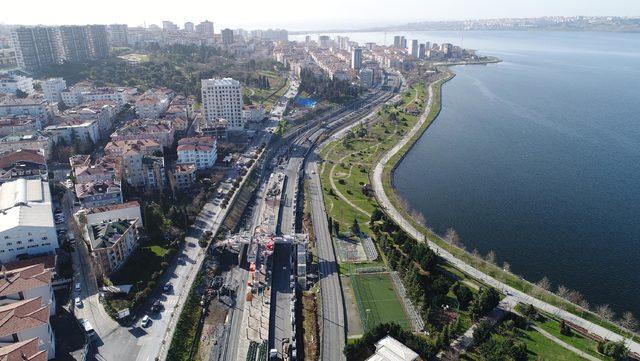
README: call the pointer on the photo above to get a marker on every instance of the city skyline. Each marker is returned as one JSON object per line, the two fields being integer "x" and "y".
{"x": 283, "y": 13}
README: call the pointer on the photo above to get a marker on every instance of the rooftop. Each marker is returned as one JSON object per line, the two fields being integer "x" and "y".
{"x": 22, "y": 315}
{"x": 106, "y": 234}
{"x": 22, "y": 155}
{"x": 23, "y": 279}
{"x": 27, "y": 350}
{"x": 25, "y": 202}
{"x": 113, "y": 207}
{"x": 390, "y": 349}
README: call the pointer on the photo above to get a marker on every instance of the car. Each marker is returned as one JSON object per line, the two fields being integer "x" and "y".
{"x": 78, "y": 302}
{"x": 146, "y": 321}
{"x": 78, "y": 287}
{"x": 168, "y": 287}
{"x": 157, "y": 306}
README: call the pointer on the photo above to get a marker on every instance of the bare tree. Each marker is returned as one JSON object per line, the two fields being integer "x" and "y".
{"x": 575, "y": 296}
{"x": 452, "y": 236}
{"x": 605, "y": 312}
{"x": 544, "y": 283}
{"x": 562, "y": 291}
{"x": 491, "y": 257}
{"x": 476, "y": 254}
{"x": 506, "y": 267}
{"x": 584, "y": 304}
{"x": 419, "y": 218}
{"x": 628, "y": 321}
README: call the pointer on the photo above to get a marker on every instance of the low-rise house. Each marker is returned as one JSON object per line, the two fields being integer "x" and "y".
{"x": 113, "y": 212}
{"x": 28, "y": 350}
{"x": 19, "y": 124}
{"x": 23, "y": 163}
{"x": 182, "y": 176}
{"x": 160, "y": 131}
{"x": 79, "y": 160}
{"x": 26, "y": 283}
{"x": 25, "y": 320}
{"x": 33, "y": 141}
{"x": 111, "y": 243}
{"x": 26, "y": 220}
{"x": 32, "y": 105}
{"x": 86, "y": 92}
{"x": 99, "y": 193}
{"x": 200, "y": 150}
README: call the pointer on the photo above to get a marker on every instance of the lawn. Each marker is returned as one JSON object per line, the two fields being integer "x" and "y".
{"x": 378, "y": 301}
{"x": 541, "y": 348}
{"x": 575, "y": 339}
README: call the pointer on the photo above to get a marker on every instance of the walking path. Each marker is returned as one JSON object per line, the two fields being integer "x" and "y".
{"x": 565, "y": 345}
{"x": 522, "y": 297}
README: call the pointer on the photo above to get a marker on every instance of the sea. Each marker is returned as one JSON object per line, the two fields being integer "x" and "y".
{"x": 537, "y": 158}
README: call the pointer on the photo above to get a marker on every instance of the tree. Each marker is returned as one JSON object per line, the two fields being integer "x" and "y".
{"x": 628, "y": 321}
{"x": 452, "y": 236}
{"x": 615, "y": 350}
{"x": 20, "y": 94}
{"x": 482, "y": 332}
{"x": 564, "y": 329}
{"x": 355, "y": 227}
{"x": 563, "y": 291}
{"x": 605, "y": 312}
{"x": 491, "y": 257}
{"x": 506, "y": 266}
{"x": 544, "y": 283}
{"x": 463, "y": 294}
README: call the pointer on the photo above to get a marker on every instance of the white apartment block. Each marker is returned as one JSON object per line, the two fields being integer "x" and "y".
{"x": 113, "y": 212}
{"x": 86, "y": 131}
{"x": 200, "y": 151}
{"x": 26, "y": 220}
{"x": 34, "y": 106}
{"x": 34, "y": 141}
{"x": 11, "y": 84}
{"x": 53, "y": 88}
{"x": 222, "y": 98}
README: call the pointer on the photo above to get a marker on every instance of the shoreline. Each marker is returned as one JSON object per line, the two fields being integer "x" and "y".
{"x": 477, "y": 268}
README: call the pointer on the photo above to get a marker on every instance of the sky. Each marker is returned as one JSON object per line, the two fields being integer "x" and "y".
{"x": 296, "y": 14}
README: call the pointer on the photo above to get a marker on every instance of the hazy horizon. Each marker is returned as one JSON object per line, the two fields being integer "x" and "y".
{"x": 295, "y": 15}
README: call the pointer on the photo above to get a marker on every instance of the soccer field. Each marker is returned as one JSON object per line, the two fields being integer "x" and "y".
{"x": 377, "y": 300}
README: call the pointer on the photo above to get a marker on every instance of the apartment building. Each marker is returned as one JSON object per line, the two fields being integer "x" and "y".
{"x": 10, "y": 84}
{"x": 19, "y": 124}
{"x": 200, "y": 150}
{"x": 37, "y": 47}
{"x": 205, "y": 29}
{"x": 32, "y": 105}
{"x": 113, "y": 212}
{"x": 118, "y": 35}
{"x": 33, "y": 141}
{"x": 182, "y": 176}
{"x": 71, "y": 130}
{"x": 111, "y": 243}
{"x": 222, "y": 98}
{"x": 53, "y": 88}
{"x": 103, "y": 112}
{"x": 153, "y": 103}
{"x": 158, "y": 130}
{"x": 26, "y": 220}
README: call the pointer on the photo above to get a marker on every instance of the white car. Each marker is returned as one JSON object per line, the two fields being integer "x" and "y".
{"x": 145, "y": 321}
{"x": 78, "y": 287}
{"x": 78, "y": 302}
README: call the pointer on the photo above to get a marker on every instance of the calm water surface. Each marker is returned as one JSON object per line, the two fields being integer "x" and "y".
{"x": 538, "y": 158}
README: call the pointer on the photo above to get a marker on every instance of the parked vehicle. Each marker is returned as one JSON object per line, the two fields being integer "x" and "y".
{"x": 146, "y": 321}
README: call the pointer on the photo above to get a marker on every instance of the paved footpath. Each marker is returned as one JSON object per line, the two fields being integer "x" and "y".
{"x": 522, "y": 297}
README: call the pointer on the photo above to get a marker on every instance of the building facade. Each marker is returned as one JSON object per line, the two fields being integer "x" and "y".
{"x": 222, "y": 98}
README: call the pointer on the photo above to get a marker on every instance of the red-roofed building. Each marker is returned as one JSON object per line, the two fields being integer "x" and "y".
{"x": 23, "y": 163}
{"x": 28, "y": 350}
{"x": 24, "y": 320}
{"x": 26, "y": 283}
